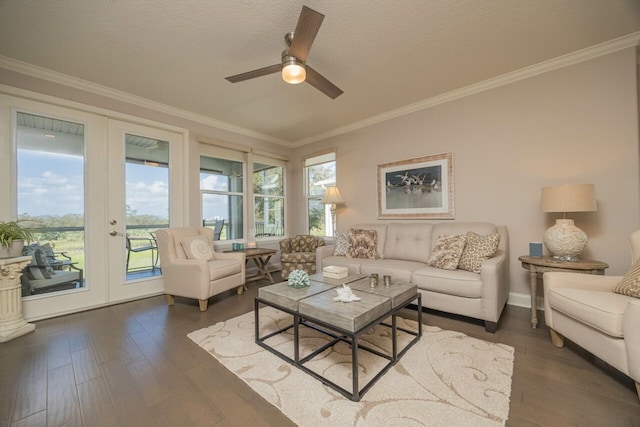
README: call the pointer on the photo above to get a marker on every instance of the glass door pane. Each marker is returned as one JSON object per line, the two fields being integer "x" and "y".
{"x": 50, "y": 200}
{"x": 146, "y": 202}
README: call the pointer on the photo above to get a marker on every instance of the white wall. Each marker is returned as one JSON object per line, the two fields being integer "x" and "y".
{"x": 578, "y": 124}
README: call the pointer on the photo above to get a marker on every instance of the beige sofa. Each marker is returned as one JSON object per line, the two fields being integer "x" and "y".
{"x": 404, "y": 250}
{"x": 584, "y": 309}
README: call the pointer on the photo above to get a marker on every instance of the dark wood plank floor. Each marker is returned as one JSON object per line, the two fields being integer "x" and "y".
{"x": 132, "y": 365}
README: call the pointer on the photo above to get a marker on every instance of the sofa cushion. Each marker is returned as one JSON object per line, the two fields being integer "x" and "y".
{"x": 630, "y": 283}
{"x": 381, "y": 232}
{"x": 477, "y": 250}
{"x": 463, "y": 228}
{"x": 458, "y": 283}
{"x": 353, "y": 265}
{"x": 298, "y": 257}
{"x": 341, "y": 241}
{"x": 362, "y": 244}
{"x": 220, "y": 268}
{"x": 197, "y": 247}
{"x": 397, "y": 269}
{"x": 411, "y": 242}
{"x": 603, "y": 311}
{"x": 447, "y": 251}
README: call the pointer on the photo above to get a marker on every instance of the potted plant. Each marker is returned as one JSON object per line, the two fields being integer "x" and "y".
{"x": 12, "y": 238}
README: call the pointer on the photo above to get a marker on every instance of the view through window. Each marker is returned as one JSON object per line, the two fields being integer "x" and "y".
{"x": 221, "y": 189}
{"x": 268, "y": 193}
{"x": 50, "y": 201}
{"x": 320, "y": 173}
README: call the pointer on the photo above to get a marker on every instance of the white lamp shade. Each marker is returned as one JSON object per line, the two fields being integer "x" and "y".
{"x": 332, "y": 196}
{"x": 569, "y": 198}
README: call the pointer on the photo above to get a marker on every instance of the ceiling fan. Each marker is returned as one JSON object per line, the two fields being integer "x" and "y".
{"x": 293, "y": 66}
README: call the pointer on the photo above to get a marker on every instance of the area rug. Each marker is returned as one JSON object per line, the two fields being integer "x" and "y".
{"x": 446, "y": 379}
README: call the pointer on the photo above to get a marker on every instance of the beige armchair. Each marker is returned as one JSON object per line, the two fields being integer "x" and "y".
{"x": 584, "y": 309}
{"x": 191, "y": 268}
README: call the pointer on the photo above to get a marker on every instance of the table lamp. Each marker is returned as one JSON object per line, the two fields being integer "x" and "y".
{"x": 564, "y": 240}
{"x": 332, "y": 197}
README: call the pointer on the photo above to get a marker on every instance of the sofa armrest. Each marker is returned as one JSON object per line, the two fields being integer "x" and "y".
{"x": 187, "y": 277}
{"x": 241, "y": 257}
{"x": 494, "y": 275}
{"x": 285, "y": 246}
{"x": 631, "y": 332}
{"x": 562, "y": 279}
{"x": 321, "y": 253}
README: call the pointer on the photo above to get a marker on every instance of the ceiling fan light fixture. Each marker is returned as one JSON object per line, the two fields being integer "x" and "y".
{"x": 293, "y": 71}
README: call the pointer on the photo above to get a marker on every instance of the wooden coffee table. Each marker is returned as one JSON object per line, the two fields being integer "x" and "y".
{"x": 314, "y": 307}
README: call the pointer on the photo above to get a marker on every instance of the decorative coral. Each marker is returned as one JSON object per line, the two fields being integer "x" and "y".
{"x": 298, "y": 279}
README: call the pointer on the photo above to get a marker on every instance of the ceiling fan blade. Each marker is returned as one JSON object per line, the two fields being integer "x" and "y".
{"x": 255, "y": 73}
{"x": 305, "y": 33}
{"x": 316, "y": 80}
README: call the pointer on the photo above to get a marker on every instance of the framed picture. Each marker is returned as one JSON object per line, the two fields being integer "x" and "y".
{"x": 420, "y": 188}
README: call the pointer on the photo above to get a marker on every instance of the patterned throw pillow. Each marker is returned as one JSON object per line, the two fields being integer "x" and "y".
{"x": 477, "y": 250}
{"x": 447, "y": 251}
{"x": 341, "y": 241}
{"x": 630, "y": 284}
{"x": 363, "y": 244}
{"x": 197, "y": 247}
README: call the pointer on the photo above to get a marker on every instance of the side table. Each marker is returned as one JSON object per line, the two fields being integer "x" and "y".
{"x": 539, "y": 265}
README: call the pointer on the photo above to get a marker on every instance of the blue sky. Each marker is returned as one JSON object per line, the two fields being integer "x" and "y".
{"x": 53, "y": 184}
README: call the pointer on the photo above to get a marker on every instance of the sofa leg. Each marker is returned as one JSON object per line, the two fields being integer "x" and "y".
{"x": 556, "y": 339}
{"x": 203, "y": 304}
{"x": 170, "y": 299}
{"x": 638, "y": 388}
{"x": 241, "y": 289}
{"x": 490, "y": 326}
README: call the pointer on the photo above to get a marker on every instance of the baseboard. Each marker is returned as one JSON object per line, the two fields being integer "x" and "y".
{"x": 524, "y": 300}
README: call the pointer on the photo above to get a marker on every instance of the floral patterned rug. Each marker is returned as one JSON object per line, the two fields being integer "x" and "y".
{"x": 446, "y": 379}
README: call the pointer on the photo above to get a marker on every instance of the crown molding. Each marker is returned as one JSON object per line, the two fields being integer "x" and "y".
{"x": 582, "y": 55}
{"x": 76, "y": 83}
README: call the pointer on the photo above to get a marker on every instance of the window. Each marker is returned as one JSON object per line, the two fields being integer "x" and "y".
{"x": 320, "y": 173}
{"x": 222, "y": 191}
{"x": 268, "y": 193}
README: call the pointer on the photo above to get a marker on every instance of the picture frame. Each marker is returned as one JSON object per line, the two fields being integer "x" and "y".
{"x": 420, "y": 188}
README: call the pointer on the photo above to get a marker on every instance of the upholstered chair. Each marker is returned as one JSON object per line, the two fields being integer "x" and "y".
{"x": 299, "y": 253}
{"x": 191, "y": 267}
{"x": 585, "y": 309}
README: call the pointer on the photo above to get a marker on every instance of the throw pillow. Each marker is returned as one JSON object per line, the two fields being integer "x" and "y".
{"x": 341, "y": 241}
{"x": 197, "y": 247}
{"x": 447, "y": 251}
{"x": 477, "y": 250}
{"x": 363, "y": 244}
{"x": 630, "y": 284}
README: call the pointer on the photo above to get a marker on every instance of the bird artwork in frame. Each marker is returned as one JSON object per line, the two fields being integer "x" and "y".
{"x": 419, "y": 188}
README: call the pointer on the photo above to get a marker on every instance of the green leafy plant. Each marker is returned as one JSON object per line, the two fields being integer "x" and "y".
{"x": 12, "y": 230}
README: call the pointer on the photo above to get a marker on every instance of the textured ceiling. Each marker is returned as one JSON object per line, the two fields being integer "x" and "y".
{"x": 384, "y": 54}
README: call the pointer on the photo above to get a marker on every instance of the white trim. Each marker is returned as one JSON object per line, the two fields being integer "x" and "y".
{"x": 582, "y": 55}
{"x": 524, "y": 300}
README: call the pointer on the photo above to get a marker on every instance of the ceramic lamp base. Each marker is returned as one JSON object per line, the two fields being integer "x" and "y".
{"x": 564, "y": 240}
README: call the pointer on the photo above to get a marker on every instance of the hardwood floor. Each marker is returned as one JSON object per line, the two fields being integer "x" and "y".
{"x": 132, "y": 365}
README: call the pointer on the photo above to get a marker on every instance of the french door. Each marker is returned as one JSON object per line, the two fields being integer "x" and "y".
{"x": 144, "y": 169}
{"x": 94, "y": 190}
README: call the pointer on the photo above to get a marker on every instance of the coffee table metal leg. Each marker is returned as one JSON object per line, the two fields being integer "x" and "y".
{"x": 354, "y": 367}
{"x": 394, "y": 337}
{"x": 296, "y": 338}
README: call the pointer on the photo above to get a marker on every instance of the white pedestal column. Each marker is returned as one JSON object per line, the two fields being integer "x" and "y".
{"x": 12, "y": 323}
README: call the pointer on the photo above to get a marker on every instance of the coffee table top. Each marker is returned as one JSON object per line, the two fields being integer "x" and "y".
{"x": 351, "y": 316}
{"x": 285, "y": 296}
{"x": 316, "y": 300}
